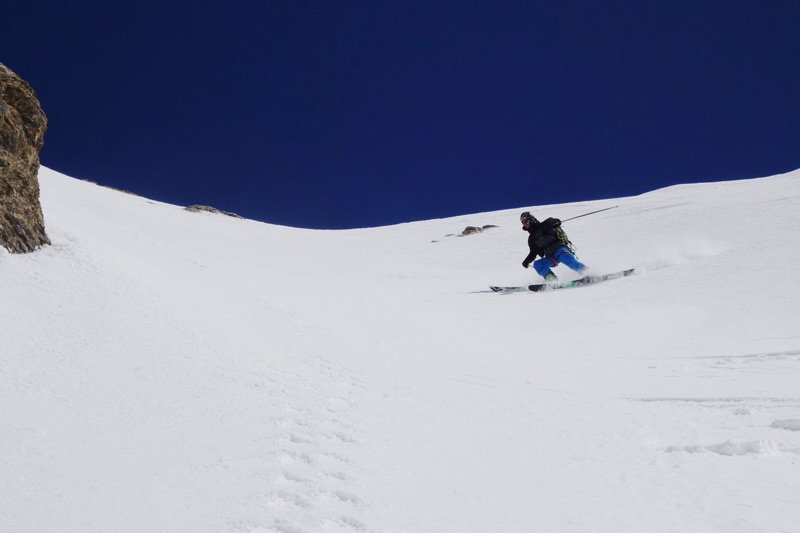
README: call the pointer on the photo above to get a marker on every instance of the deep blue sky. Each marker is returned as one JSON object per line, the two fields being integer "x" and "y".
{"x": 337, "y": 114}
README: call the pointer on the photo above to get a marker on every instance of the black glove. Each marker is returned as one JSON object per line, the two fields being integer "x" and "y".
{"x": 526, "y": 264}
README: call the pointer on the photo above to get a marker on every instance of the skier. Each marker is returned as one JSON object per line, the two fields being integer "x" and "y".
{"x": 548, "y": 240}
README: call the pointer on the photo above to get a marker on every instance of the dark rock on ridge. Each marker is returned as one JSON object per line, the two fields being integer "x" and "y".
{"x": 209, "y": 209}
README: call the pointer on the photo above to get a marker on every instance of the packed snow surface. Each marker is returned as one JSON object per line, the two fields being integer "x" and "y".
{"x": 162, "y": 370}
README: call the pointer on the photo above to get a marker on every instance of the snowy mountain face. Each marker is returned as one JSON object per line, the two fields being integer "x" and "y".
{"x": 172, "y": 371}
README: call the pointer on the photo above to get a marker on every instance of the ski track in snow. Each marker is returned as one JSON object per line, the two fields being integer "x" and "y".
{"x": 307, "y": 467}
{"x": 753, "y": 419}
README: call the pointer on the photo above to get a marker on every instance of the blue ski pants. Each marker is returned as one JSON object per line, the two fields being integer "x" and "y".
{"x": 562, "y": 255}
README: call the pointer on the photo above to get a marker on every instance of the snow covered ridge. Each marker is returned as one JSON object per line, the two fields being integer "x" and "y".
{"x": 164, "y": 371}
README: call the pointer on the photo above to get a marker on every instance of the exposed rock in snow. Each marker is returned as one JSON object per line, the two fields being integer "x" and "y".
{"x": 209, "y": 209}
{"x": 22, "y": 127}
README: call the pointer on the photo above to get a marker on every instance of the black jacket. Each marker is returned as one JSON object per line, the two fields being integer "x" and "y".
{"x": 543, "y": 239}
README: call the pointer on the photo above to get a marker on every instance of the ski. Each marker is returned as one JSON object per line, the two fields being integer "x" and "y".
{"x": 587, "y": 280}
{"x": 523, "y": 288}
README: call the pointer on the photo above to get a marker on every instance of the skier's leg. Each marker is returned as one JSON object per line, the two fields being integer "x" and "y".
{"x": 542, "y": 267}
{"x": 563, "y": 255}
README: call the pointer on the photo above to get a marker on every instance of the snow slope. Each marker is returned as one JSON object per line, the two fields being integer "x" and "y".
{"x": 162, "y": 370}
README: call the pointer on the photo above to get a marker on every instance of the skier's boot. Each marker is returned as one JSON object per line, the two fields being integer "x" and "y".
{"x": 551, "y": 277}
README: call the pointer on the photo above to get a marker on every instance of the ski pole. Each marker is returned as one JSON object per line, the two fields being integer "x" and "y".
{"x": 592, "y": 213}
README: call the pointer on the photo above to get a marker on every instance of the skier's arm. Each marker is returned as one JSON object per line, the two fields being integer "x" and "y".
{"x": 529, "y": 259}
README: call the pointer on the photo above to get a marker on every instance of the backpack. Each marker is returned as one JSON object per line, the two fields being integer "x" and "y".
{"x": 562, "y": 236}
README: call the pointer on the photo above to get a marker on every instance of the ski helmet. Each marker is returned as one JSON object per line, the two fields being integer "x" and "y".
{"x": 526, "y": 216}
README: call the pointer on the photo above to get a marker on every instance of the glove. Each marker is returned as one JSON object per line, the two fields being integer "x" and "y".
{"x": 526, "y": 264}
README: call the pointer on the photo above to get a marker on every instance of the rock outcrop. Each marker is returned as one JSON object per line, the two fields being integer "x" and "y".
{"x": 209, "y": 209}
{"x": 22, "y": 127}
{"x": 469, "y": 230}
